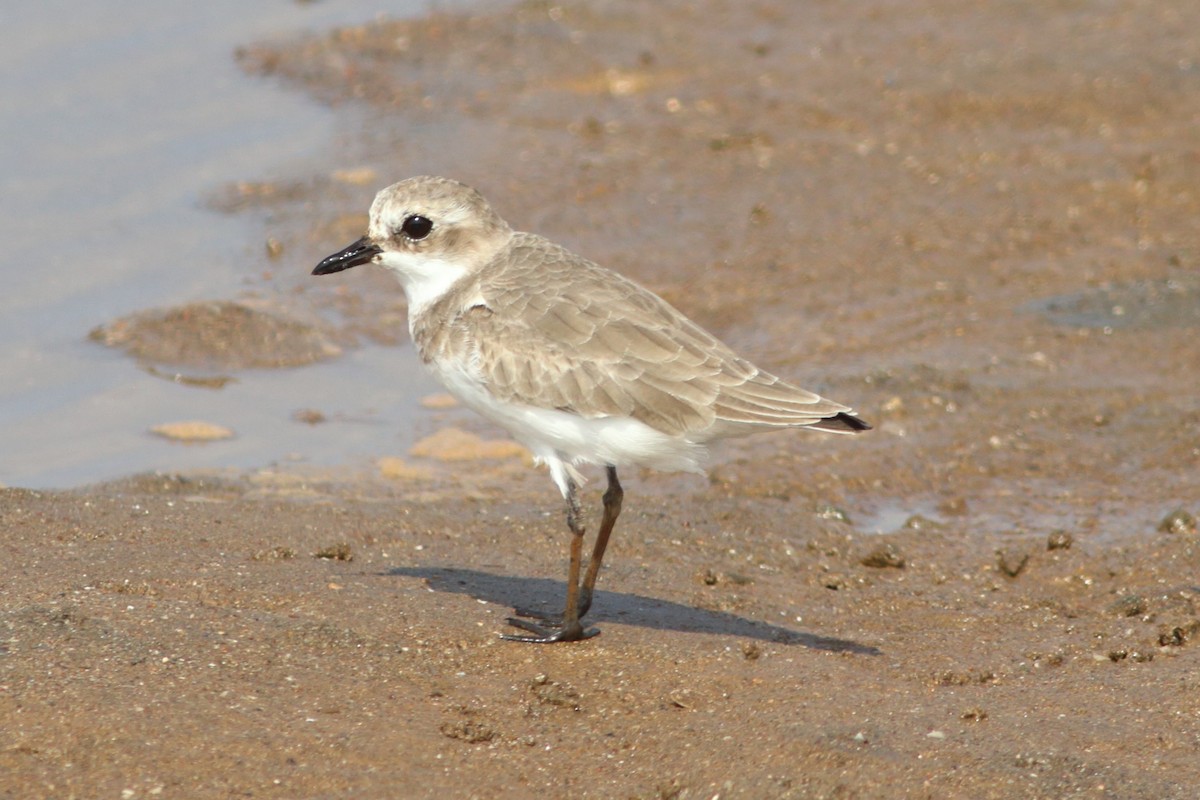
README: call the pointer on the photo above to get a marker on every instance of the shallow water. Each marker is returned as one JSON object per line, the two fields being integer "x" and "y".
{"x": 1145, "y": 305}
{"x": 116, "y": 127}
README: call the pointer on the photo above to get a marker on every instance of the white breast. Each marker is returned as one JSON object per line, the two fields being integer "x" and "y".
{"x": 556, "y": 437}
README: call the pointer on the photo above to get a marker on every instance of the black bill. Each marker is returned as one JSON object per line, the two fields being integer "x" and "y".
{"x": 361, "y": 252}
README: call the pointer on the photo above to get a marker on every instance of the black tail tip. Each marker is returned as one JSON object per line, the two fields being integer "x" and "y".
{"x": 843, "y": 423}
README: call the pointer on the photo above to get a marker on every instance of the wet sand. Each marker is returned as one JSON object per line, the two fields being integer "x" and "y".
{"x": 975, "y": 224}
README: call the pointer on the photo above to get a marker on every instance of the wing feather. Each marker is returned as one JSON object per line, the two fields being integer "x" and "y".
{"x": 561, "y": 332}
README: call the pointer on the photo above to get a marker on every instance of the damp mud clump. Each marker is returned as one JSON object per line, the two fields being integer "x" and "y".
{"x": 217, "y": 335}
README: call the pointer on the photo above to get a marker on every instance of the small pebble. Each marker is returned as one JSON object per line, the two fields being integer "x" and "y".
{"x": 1178, "y": 635}
{"x": 439, "y": 402}
{"x": 1128, "y": 606}
{"x": 309, "y": 416}
{"x": 469, "y": 731}
{"x": 1178, "y": 522}
{"x": 883, "y": 556}
{"x": 827, "y": 511}
{"x": 274, "y": 554}
{"x": 1012, "y": 560}
{"x": 337, "y": 552}
{"x": 355, "y": 176}
{"x": 1059, "y": 540}
{"x": 192, "y": 431}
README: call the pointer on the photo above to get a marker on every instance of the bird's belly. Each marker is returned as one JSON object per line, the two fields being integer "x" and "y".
{"x": 552, "y": 433}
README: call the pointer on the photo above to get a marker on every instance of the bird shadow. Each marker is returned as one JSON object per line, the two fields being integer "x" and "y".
{"x": 628, "y": 609}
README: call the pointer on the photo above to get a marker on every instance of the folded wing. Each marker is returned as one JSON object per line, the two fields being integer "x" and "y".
{"x": 593, "y": 343}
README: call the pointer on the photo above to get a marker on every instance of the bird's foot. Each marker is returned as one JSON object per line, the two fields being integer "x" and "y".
{"x": 551, "y": 631}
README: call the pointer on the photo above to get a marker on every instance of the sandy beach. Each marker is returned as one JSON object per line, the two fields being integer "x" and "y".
{"x": 974, "y": 223}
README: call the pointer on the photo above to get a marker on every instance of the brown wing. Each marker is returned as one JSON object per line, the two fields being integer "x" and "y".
{"x": 558, "y": 331}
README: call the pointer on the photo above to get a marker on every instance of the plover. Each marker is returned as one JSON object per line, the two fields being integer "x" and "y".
{"x": 580, "y": 364}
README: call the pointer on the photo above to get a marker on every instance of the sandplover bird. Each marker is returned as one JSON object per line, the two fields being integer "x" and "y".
{"x": 580, "y": 364}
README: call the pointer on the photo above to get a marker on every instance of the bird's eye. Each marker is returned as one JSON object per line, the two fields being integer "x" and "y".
{"x": 416, "y": 227}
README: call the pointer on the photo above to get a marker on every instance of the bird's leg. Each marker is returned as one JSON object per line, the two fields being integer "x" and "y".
{"x": 612, "y": 509}
{"x": 569, "y": 629}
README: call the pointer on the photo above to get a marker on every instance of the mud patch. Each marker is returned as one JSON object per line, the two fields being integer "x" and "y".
{"x": 219, "y": 335}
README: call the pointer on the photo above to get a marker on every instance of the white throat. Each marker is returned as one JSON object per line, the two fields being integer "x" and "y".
{"x": 424, "y": 278}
